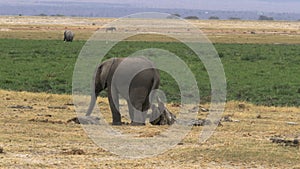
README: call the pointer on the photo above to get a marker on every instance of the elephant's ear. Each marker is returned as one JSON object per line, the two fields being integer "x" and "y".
{"x": 161, "y": 105}
{"x": 103, "y": 72}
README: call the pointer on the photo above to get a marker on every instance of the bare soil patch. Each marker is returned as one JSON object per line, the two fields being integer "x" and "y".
{"x": 41, "y": 138}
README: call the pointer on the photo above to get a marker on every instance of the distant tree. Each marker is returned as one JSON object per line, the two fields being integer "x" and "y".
{"x": 173, "y": 16}
{"x": 214, "y": 17}
{"x": 58, "y": 15}
{"x": 176, "y": 14}
{"x": 191, "y": 17}
{"x": 234, "y": 18}
{"x": 20, "y": 14}
{"x": 42, "y": 14}
{"x": 266, "y": 18}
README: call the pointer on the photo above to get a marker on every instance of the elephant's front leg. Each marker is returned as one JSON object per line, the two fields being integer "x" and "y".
{"x": 113, "y": 99}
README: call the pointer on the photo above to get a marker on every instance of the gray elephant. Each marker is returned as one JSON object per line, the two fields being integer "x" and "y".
{"x": 68, "y": 36}
{"x": 133, "y": 78}
{"x": 161, "y": 115}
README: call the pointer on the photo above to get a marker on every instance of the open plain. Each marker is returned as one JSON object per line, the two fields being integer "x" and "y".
{"x": 35, "y": 131}
{"x": 218, "y": 31}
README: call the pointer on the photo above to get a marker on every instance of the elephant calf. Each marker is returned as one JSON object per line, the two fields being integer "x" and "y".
{"x": 133, "y": 78}
{"x": 161, "y": 115}
{"x": 68, "y": 36}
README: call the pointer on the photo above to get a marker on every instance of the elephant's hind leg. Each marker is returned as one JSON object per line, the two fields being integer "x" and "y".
{"x": 131, "y": 110}
{"x": 138, "y": 115}
{"x": 113, "y": 99}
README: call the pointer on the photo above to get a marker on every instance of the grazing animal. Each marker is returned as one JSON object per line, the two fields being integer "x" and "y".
{"x": 111, "y": 29}
{"x": 133, "y": 78}
{"x": 68, "y": 36}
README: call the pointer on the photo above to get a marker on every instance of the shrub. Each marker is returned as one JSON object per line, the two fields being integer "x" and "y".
{"x": 42, "y": 14}
{"x": 263, "y": 17}
{"x": 221, "y": 55}
{"x": 173, "y": 16}
{"x": 234, "y": 18}
{"x": 191, "y": 17}
{"x": 214, "y": 17}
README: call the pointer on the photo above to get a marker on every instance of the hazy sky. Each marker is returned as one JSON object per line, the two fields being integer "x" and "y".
{"x": 237, "y": 5}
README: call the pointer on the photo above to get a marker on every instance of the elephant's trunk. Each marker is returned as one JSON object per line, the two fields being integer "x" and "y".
{"x": 97, "y": 89}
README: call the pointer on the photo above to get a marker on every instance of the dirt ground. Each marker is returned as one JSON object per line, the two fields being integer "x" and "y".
{"x": 218, "y": 31}
{"x": 34, "y": 131}
{"x": 35, "y": 134}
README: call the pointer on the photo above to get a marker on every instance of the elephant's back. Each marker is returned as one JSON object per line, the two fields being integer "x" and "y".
{"x": 68, "y": 33}
{"x": 136, "y": 73}
{"x": 134, "y": 68}
{"x": 136, "y": 63}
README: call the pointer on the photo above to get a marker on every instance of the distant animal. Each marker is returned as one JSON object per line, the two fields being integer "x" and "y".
{"x": 111, "y": 29}
{"x": 68, "y": 36}
{"x": 133, "y": 78}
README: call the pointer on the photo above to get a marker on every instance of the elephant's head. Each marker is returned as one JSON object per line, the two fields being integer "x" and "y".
{"x": 161, "y": 115}
{"x": 101, "y": 75}
{"x": 100, "y": 82}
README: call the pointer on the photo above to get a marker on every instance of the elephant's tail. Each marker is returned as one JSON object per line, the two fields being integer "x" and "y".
{"x": 92, "y": 104}
{"x": 156, "y": 80}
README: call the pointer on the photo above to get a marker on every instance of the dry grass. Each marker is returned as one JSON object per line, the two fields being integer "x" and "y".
{"x": 40, "y": 137}
{"x": 221, "y": 31}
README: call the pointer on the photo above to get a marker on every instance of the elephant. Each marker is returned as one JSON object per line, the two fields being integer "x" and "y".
{"x": 134, "y": 78}
{"x": 68, "y": 36}
{"x": 161, "y": 115}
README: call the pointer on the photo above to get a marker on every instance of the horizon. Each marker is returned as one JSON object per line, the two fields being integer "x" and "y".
{"x": 276, "y": 6}
{"x": 117, "y": 9}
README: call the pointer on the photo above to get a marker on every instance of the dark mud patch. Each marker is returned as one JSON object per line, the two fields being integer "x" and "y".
{"x": 284, "y": 141}
{"x": 47, "y": 121}
{"x": 74, "y": 151}
{"x": 85, "y": 120}
{"x": 20, "y": 107}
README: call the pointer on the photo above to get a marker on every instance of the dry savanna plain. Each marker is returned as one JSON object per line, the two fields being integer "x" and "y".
{"x": 35, "y": 132}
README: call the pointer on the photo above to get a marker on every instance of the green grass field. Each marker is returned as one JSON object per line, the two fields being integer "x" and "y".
{"x": 260, "y": 68}
{"x": 266, "y": 74}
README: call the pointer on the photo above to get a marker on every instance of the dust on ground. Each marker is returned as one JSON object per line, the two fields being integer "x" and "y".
{"x": 35, "y": 134}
